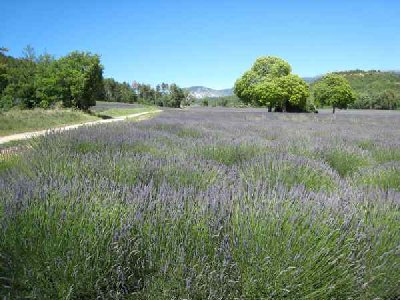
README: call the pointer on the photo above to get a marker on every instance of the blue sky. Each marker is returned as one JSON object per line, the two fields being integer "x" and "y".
{"x": 205, "y": 42}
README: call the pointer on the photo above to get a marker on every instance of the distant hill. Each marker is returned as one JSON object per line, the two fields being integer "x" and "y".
{"x": 374, "y": 89}
{"x": 372, "y": 82}
{"x": 360, "y": 79}
{"x": 311, "y": 79}
{"x": 200, "y": 92}
{"x": 395, "y": 72}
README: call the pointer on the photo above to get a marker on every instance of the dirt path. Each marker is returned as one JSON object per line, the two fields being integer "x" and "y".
{"x": 28, "y": 135}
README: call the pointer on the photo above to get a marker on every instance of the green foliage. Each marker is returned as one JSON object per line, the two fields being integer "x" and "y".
{"x": 225, "y": 101}
{"x": 269, "y": 83}
{"x": 271, "y": 66}
{"x": 388, "y": 99}
{"x": 291, "y": 93}
{"x": 47, "y": 89}
{"x": 118, "y": 92}
{"x": 245, "y": 87}
{"x": 20, "y": 88}
{"x": 175, "y": 97}
{"x": 167, "y": 95}
{"x": 80, "y": 75}
{"x": 76, "y": 80}
{"x": 3, "y": 70}
{"x": 374, "y": 89}
{"x": 333, "y": 90}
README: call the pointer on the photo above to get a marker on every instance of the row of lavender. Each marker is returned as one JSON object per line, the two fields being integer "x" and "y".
{"x": 206, "y": 204}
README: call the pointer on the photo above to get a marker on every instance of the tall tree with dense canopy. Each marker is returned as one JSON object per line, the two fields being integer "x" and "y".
{"x": 271, "y": 66}
{"x": 81, "y": 78}
{"x": 270, "y": 83}
{"x": 176, "y": 96}
{"x": 333, "y": 90}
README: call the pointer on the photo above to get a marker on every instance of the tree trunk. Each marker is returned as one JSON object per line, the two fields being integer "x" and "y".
{"x": 333, "y": 110}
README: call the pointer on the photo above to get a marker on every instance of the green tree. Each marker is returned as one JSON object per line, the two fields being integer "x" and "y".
{"x": 33, "y": 81}
{"x": 271, "y": 66}
{"x": 333, "y": 90}
{"x": 47, "y": 88}
{"x": 146, "y": 93}
{"x": 389, "y": 100}
{"x": 80, "y": 76}
{"x": 3, "y": 69}
{"x": 110, "y": 90}
{"x": 93, "y": 88}
{"x": 125, "y": 93}
{"x": 245, "y": 88}
{"x": 20, "y": 88}
{"x": 188, "y": 98}
{"x": 266, "y": 93}
{"x": 176, "y": 96}
{"x": 270, "y": 83}
{"x": 163, "y": 95}
{"x": 293, "y": 93}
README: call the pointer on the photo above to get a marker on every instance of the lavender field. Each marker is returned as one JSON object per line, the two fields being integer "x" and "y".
{"x": 206, "y": 204}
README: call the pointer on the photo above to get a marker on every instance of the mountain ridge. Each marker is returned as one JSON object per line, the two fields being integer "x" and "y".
{"x": 199, "y": 92}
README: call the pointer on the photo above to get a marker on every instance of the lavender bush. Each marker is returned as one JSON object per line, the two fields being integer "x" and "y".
{"x": 206, "y": 204}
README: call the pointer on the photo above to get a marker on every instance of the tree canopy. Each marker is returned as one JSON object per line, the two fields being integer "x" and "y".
{"x": 271, "y": 66}
{"x": 75, "y": 80}
{"x": 115, "y": 91}
{"x": 270, "y": 83}
{"x": 164, "y": 94}
{"x": 333, "y": 90}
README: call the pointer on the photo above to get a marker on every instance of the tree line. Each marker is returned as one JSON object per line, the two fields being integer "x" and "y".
{"x": 75, "y": 80}
{"x": 386, "y": 99}
{"x": 164, "y": 94}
